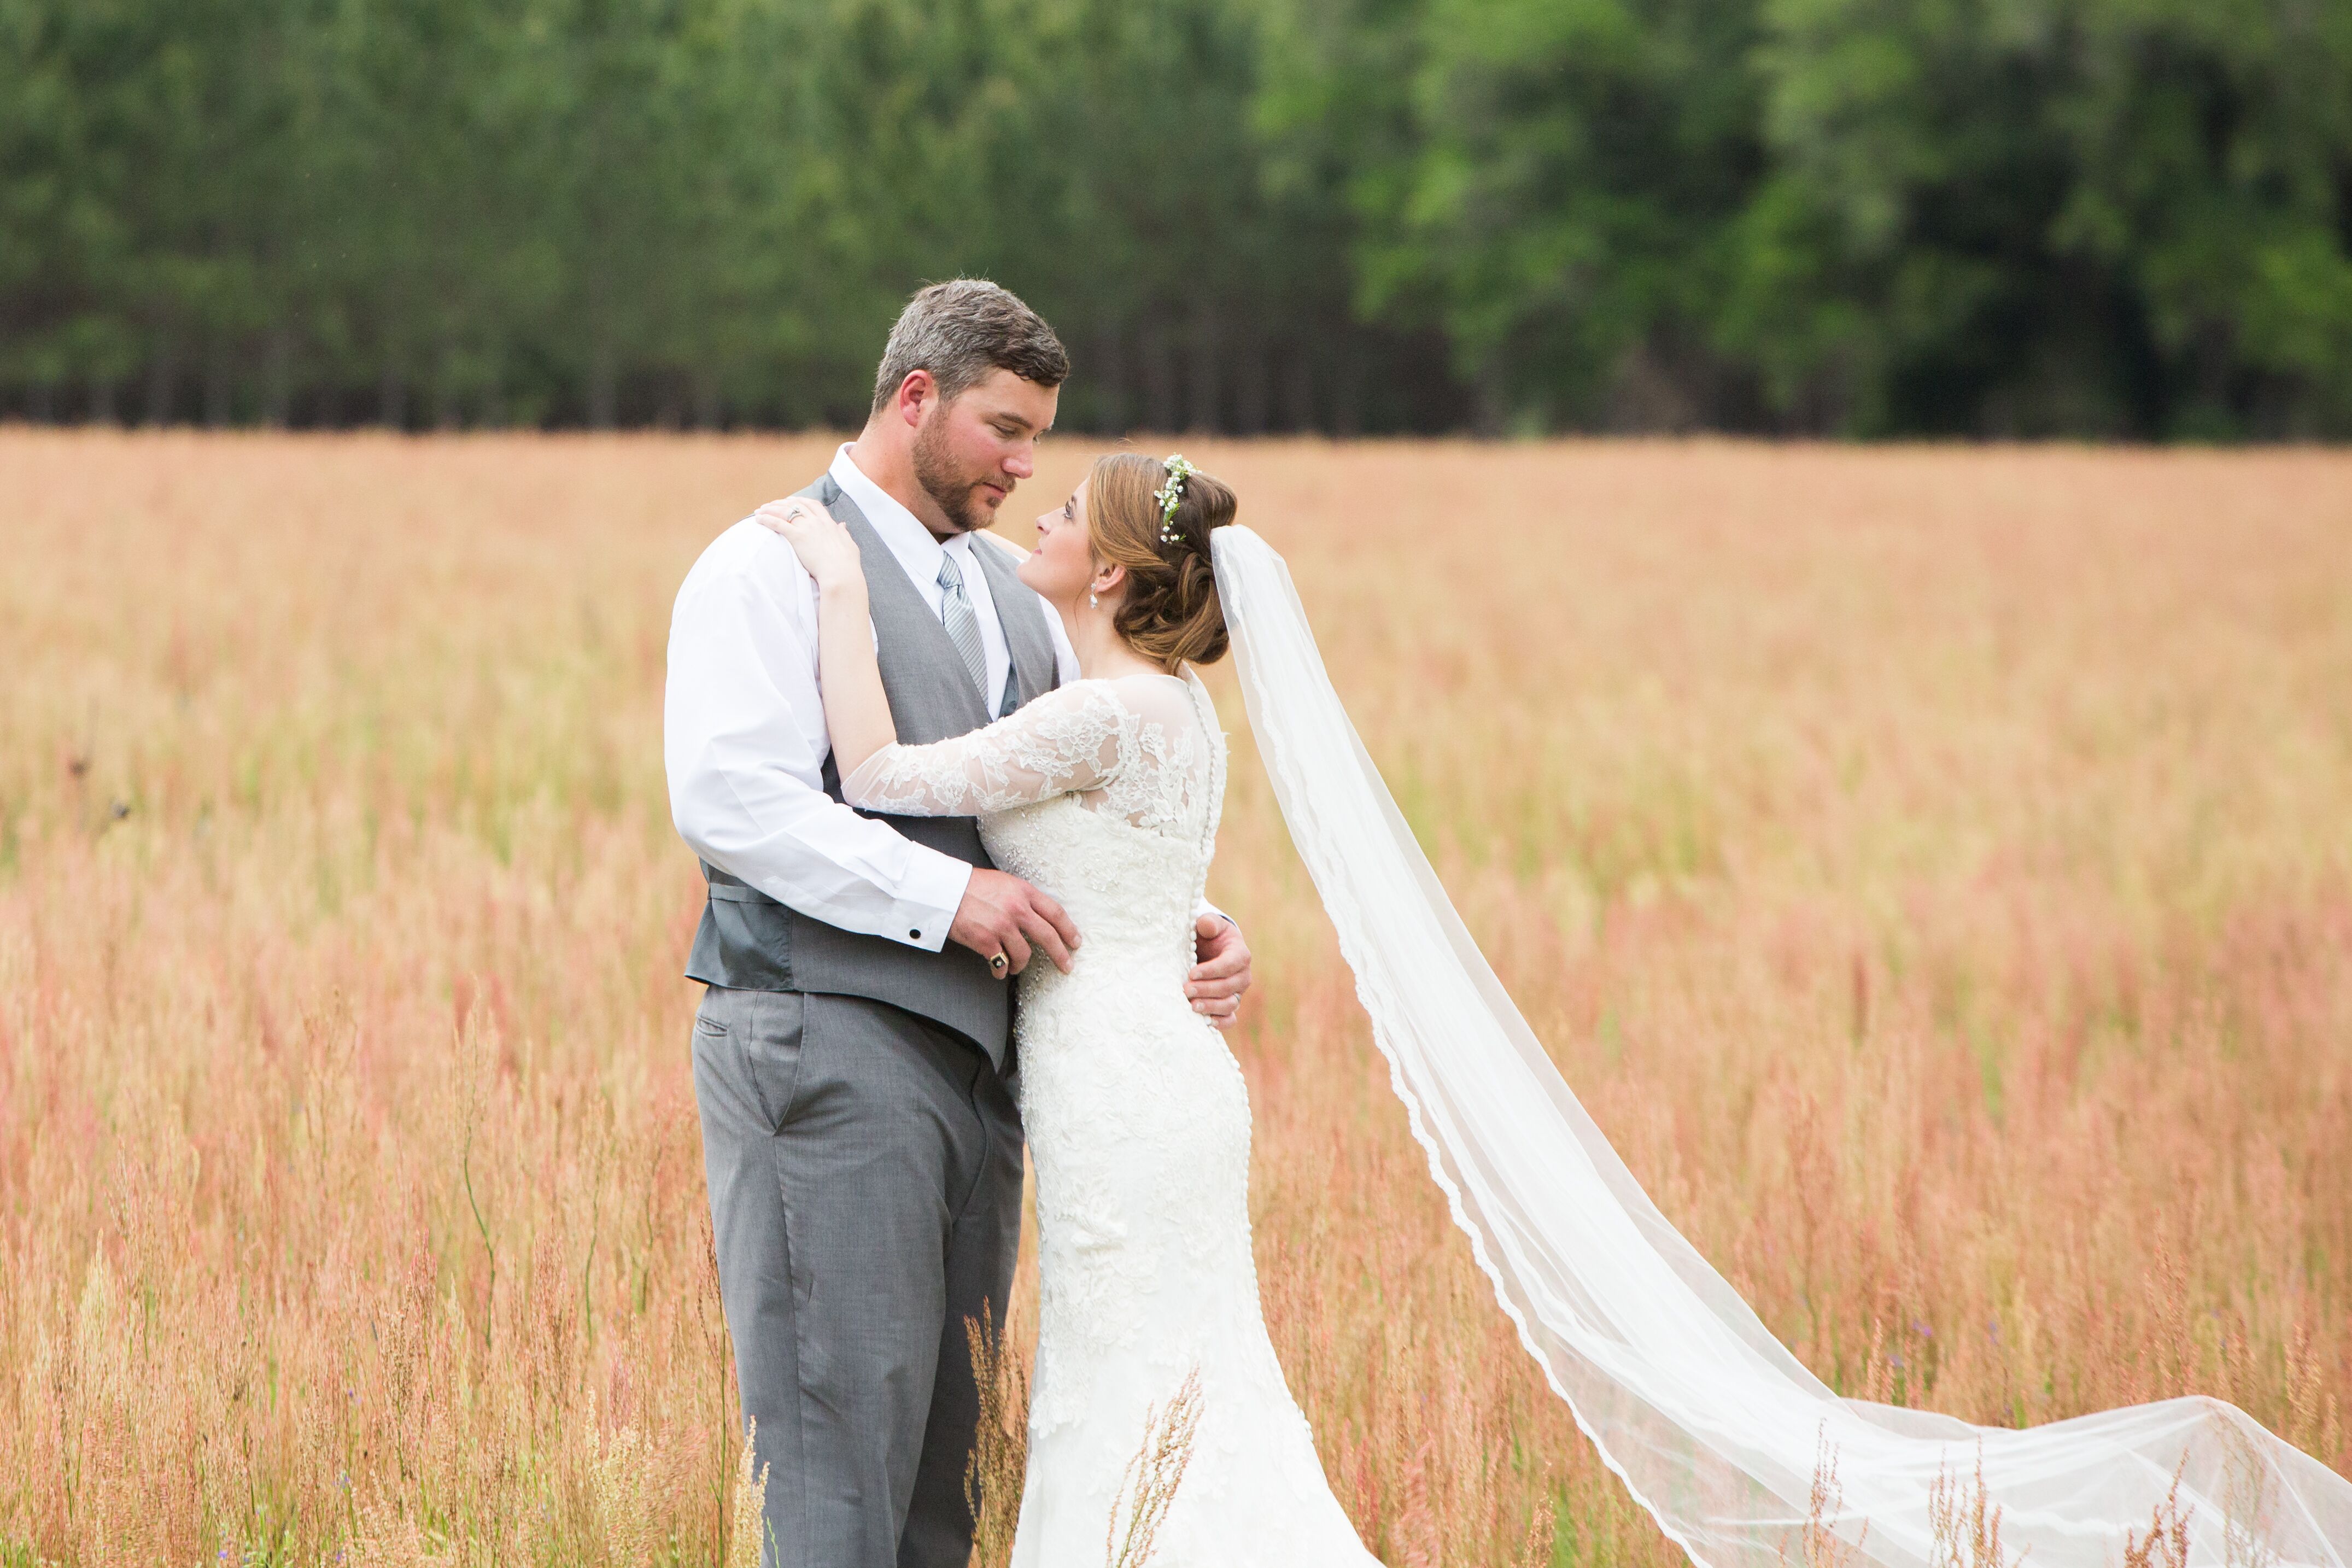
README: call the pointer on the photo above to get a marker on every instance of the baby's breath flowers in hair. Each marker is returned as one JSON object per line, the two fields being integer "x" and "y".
{"x": 1171, "y": 495}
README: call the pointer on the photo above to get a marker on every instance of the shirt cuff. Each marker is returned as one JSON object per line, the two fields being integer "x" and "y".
{"x": 928, "y": 899}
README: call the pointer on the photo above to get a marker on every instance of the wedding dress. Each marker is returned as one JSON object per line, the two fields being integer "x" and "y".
{"x": 1105, "y": 794}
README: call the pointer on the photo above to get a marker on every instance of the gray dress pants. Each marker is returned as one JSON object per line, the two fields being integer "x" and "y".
{"x": 865, "y": 1170}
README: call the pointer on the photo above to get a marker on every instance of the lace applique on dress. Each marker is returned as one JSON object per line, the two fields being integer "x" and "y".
{"x": 1132, "y": 747}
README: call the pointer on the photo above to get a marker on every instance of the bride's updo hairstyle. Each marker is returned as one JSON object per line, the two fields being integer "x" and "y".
{"x": 1171, "y": 612}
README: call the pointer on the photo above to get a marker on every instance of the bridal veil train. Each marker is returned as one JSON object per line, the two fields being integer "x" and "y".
{"x": 1714, "y": 1426}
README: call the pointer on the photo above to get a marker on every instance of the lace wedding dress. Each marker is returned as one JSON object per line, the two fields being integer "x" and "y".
{"x": 1105, "y": 794}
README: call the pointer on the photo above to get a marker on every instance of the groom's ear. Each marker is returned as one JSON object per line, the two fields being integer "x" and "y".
{"x": 918, "y": 391}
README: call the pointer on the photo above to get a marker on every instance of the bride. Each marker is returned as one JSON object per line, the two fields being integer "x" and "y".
{"x": 1105, "y": 794}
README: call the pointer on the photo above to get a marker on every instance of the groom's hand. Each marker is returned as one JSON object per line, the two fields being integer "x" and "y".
{"x": 1221, "y": 972}
{"x": 1002, "y": 916}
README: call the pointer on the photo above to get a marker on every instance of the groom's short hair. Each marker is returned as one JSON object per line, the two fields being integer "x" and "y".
{"x": 960, "y": 331}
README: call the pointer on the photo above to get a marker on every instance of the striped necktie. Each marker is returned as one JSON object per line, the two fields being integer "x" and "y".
{"x": 962, "y": 624}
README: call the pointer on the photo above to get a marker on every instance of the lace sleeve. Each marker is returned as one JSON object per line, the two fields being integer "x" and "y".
{"x": 1064, "y": 742}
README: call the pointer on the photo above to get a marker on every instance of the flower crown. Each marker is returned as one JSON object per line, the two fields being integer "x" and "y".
{"x": 1171, "y": 495}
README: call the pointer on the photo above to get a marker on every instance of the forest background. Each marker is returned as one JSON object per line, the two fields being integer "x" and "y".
{"x": 2111, "y": 219}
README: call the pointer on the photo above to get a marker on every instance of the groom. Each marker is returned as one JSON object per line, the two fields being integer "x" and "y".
{"x": 853, "y": 1060}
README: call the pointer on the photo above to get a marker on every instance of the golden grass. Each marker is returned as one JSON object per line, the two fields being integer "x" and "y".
{"x": 1933, "y": 867}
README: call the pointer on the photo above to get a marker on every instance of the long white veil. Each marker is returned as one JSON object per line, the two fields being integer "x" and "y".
{"x": 1714, "y": 1428}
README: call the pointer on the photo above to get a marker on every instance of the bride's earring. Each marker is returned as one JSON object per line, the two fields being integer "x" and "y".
{"x": 1094, "y": 602}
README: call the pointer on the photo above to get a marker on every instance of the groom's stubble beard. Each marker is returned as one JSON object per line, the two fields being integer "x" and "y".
{"x": 956, "y": 495}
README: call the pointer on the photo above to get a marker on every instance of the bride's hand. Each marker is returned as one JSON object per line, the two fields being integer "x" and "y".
{"x": 823, "y": 546}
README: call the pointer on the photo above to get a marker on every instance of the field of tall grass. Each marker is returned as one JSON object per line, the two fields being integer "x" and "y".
{"x": 1933, "y": 867}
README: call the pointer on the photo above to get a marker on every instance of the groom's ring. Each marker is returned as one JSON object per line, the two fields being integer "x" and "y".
{"x": 997, "y": 963}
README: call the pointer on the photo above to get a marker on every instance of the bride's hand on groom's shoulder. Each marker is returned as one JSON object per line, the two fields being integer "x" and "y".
{"x": 823, "y": 546}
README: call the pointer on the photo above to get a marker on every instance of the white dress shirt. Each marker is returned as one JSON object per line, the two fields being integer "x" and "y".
{"x": 743, "y": 734}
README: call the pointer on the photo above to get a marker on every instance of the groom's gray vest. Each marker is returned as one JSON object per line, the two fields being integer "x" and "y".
{"x": 750, "y": 941}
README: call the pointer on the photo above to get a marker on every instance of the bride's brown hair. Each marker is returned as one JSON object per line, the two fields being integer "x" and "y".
{"x": 1170, "y": 613}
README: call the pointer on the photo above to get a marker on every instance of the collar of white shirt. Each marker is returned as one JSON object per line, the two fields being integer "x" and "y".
{"x": 908, "y": 540}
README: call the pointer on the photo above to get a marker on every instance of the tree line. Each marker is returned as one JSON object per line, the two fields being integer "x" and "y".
{"x": 2127, "y": 219}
